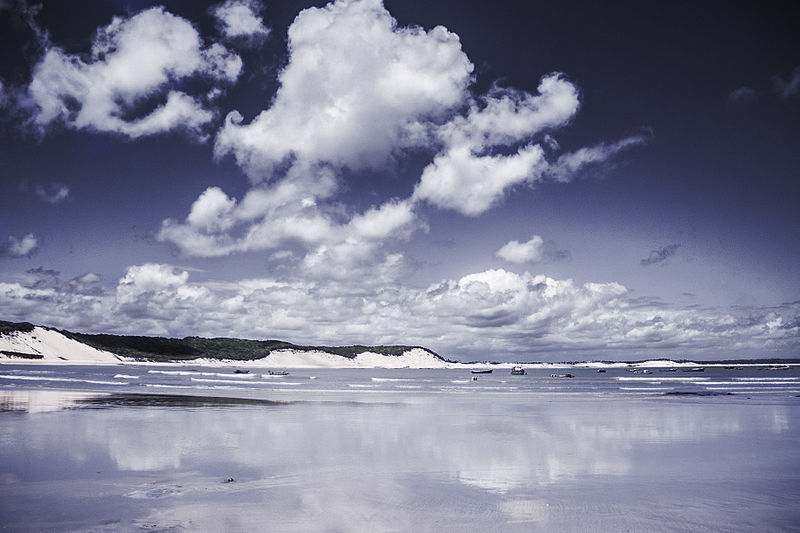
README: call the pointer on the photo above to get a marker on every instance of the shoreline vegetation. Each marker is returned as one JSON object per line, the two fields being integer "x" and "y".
{"x": 188, "y": 349}
{"x": 201, "y": 350}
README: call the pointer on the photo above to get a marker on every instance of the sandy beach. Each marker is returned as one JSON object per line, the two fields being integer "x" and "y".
{"x": 396, "y": 450}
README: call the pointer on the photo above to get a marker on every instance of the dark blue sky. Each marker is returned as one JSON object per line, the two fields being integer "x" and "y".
{"x": 527, "y": 181}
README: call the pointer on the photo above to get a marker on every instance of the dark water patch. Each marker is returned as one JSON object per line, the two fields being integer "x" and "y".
{"x": 172, "y": 400}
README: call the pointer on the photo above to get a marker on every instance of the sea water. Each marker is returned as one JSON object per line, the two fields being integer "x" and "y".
{"x": 163, "y": 448}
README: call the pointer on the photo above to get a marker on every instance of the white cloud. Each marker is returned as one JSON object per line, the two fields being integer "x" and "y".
{"x": 466, "y": 178}
{"x": 525, "y": 252}
{"x": 384, "y": 221}
{"x": 507, "y": 116}
{"x": 149, "y": 277}
{"x": 494, "y": 313}
{"x": 240, "y": 19}
{"x": 53, "y": 193}
{"x": 470, "y": 184}
{"x": 132, "y": 60}
{"x": 568, "y": 166}
{"x": 354, "y": 88}
{"x": 14, "y": 247}
{"x": 356, "y": 91}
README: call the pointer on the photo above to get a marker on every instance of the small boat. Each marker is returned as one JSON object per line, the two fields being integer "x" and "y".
{"x": 668, "y": 370}
{"x": 237, "y": 371}
{"x": 697, "y": 369}
{"x": 561, "y": 376}
{"x": 518, "y": 371}
{"x": 278, "y": 373}
{"x": 601, "y": 371}
{"x": 482, "y": 371}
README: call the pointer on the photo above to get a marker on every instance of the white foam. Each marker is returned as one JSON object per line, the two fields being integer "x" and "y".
{"x": 70, "y": 380}
{"x": 767, "y": 379}
{"x": 752, "y": 384}
{"x": 241, "y": 382}
{"x": 653, "y": 379}
{"x": 192, "y": 373}
{"x": 125, "y": 376}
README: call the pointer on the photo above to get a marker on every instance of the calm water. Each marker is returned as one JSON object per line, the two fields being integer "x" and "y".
{"x": 141, "y": 448}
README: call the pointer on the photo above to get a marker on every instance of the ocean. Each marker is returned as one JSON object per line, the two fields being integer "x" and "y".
{"x": 182, "y": 448}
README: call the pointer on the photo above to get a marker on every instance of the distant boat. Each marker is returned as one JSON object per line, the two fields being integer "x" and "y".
{"x": 697, "y": 369}
{"x": 278, "y": 373}
{"x": 601, "y": 371}
{"x": 237, "y": 371}
{"x": 518, "y": 371}
{"x": 561, "y": 376}
{"x": 668, "y": 370}
{"x": 482, "y": 371}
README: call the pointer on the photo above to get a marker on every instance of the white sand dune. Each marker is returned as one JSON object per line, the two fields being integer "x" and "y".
{"x": 53, "y": 347}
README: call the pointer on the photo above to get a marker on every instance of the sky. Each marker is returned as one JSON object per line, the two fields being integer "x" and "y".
{"x": 525, "y": 181}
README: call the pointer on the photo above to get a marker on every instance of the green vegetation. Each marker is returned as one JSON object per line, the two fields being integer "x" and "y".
{"x": 161, "y": 349}
{"x": 22, "y": 355}
{"x": 11, "y": 327}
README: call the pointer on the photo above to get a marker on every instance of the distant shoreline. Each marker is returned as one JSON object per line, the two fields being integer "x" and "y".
{"x": 25, "y": 343}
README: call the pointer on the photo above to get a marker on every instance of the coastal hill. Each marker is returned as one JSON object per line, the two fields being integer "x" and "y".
{"x": 22, "y": 341}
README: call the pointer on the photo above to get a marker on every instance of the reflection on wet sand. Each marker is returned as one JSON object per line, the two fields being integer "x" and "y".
{"x": 170, "y": 400}
{"x": 446, "y": 463}
{"x": 41, "y": 401}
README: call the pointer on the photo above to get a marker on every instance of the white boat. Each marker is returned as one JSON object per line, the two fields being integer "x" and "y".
{"x": 518, "y": 371}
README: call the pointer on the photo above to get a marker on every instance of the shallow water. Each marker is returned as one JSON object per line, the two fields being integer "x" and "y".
{"x": 398, "y": 450}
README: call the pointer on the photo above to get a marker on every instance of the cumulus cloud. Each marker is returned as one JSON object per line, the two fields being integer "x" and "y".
{"x": 240, "y": 19}
{"x": 518, "y": 316}
{"x": 660, "y": 255}
{"x": 531, "y": 251}
{"x": 14, "y": 247}
{"x": 466, "y": 176}
{"x": 280, "y": 217}
{"x": 358, "y": 91}
{"x": 471, "y": 184}
{"x": 132, "y": 61}
{"x": 788, "y": 87}
{"x": 353, "y": 90}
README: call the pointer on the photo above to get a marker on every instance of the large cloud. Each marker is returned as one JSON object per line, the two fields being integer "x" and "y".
{"x": 132, "y": 61}
{"x": 358, "y": 89}
{"x": 355, "y": 88}
{"x": 494, "y": 313}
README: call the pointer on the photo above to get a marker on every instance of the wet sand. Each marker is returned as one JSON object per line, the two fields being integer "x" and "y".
{"x": 412, "y": 462}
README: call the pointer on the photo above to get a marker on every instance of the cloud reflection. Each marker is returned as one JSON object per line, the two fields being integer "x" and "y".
{"x": 347, "y": 466}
